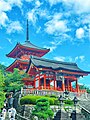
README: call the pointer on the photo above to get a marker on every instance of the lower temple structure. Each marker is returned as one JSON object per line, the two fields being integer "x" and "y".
{"x": 43, "y": 73}
{"x": 53, "y": 75}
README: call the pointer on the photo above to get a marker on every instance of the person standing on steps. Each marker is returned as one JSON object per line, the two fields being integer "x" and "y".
{"x": 10, "y": 100}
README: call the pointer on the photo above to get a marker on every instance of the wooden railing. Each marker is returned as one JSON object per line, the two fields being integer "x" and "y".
{"x": 41, "y": 92}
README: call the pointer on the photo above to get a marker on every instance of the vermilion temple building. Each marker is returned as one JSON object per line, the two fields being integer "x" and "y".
{"x": 44, "y": 73}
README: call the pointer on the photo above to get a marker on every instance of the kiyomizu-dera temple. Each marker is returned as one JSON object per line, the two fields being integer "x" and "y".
{"x": 44, "y": 73}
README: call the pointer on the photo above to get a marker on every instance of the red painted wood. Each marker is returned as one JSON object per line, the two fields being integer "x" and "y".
{"x": 76, "y": 73}
{"x": 45, "y": 81}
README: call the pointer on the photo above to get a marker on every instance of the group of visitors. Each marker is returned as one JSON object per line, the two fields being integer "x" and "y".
{"x": 9, "y": 108}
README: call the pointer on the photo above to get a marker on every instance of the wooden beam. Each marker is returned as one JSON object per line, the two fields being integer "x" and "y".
{"x": 74, "y": 73}
{"x": 39, "y": 82}
{"x": 63, "y": 84}
{"x": 70, "y": 77}
{"x": 44, "y": 81}
{"x": 34, "y": 82}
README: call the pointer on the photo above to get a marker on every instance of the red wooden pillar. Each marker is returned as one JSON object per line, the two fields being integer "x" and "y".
{"x": 45, "y": 81}
{"x": 63, "y": 84}
{"x": 34, "y": 82}
{"x": 68, "y": 87}
{"x": 77, "y": 87}
{"x": 54, "y": 82}
{"x": 49, "y": 84}
{"x": 39, "y": 82}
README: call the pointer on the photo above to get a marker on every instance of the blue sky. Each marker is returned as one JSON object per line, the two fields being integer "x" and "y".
{"x": 61, "y": 25}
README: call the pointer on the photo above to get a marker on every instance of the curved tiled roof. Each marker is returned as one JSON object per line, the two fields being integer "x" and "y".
{"x": 55, "y": 65}
{"x": 29, "y": 44}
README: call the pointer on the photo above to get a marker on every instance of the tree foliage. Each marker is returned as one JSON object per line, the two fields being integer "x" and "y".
{"x": 2, "y": 68}
{"x": 2, "y": 94}
{"x": 10, "y": 82}
{"x": 42, "y": 109}
{"x": 85, "y": 87}
{"x": 13, "y": 81}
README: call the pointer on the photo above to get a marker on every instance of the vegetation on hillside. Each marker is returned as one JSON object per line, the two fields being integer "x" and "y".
{"x": 42, "y": 109}
{"x": 30, "y": 99}
{"x": 13, "y": 81}
{"x": 85, "y": 87}
{"x": 2, "y": 93}
{"x": 10, "y": 82}
{"x": 2, "y": 68}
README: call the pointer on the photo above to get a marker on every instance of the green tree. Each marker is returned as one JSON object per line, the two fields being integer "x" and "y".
{"x": 2, "y": 68}
{"x": 13, "y": 81}
{"x": 85, "y": 87}
{"x": 42, "y": 109}
{"x": 2, "y": 94}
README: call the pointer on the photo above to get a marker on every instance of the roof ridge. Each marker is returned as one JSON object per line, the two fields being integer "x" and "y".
{"x": 34, "y": 46}
{"x": 53, "y": 61}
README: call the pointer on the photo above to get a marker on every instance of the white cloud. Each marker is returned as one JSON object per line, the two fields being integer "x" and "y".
{"x": 37, "y": 3}
{"x": 32, "y": 16}
{"x": 7, "y": 5}
{"x": 80, "y": 6}
{"x": 3, "y": 18}
{"x": 52, "y": 48}
{"x": 80, "y": 58}
{"x": 60, "y": 58}
{"x": 76, "y": 58}
{"x": 53, "y": 2}
{"x": 80, "y": 33}
{"x": 4, "y": 6}
{"x": 69, "y": 58}
{"x": 55, "y": 43}
{"x": 86, "y": 19}
{"x": 14, "y": 26}
{"x": 56, "y": 25}
{"x": 38, "y": 30}
{"x": 28, "y": 0}
{"x": 83, "y": 6}
{"x": 44, "y": 13}
{"x": 9, "y": 40}
{"x": 15, "y": 2}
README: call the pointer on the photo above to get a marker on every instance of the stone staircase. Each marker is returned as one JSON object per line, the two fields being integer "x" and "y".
{"x": 66, "y": 116}
{"x": 61, "y": 114}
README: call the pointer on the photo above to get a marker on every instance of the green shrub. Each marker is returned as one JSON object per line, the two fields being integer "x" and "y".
{"x": 47, "y": 95}
{"x": 56, "y": 102}
{"x": 29, "y": 99}
{"x": 51, "y": 101}
{"x": 53, "y": 96}
{"x": 69, "y": 102}
{"x": 42, "y": 109}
